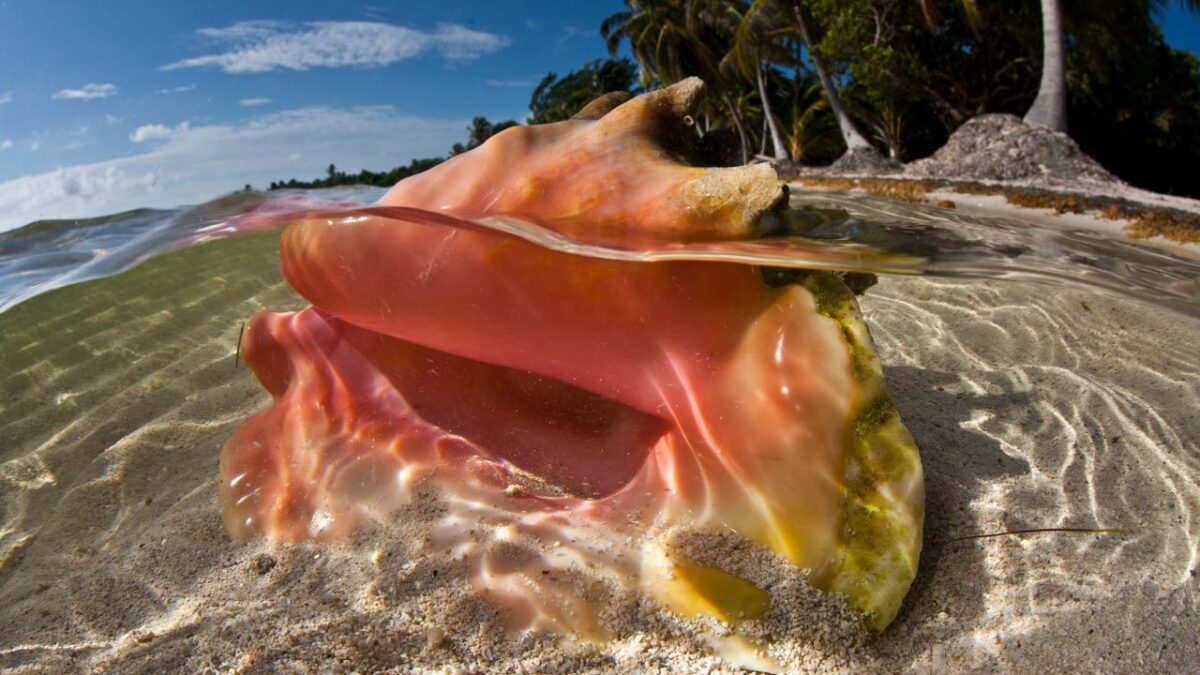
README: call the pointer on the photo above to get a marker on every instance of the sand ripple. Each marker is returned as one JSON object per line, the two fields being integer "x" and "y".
{"x": 1039, "y": 407}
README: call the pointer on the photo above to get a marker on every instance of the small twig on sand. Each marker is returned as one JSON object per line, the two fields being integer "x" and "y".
{"x": 1036, "y": 530}
{"x": 237, "y": 356}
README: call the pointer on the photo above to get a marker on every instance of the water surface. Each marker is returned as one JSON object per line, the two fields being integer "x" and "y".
{"x": 821, "y": 231}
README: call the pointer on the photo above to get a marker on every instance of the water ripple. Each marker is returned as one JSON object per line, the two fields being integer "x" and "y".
{"x": 1058, "y": 409}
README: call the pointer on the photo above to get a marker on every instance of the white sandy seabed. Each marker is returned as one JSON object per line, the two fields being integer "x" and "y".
{"x": 1034, "y": 407}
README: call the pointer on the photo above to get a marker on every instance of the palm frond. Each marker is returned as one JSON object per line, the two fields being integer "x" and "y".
{"x": 612, "y": 29}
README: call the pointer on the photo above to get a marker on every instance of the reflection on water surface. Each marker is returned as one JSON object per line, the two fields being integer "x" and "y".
{"x": 822, "y": 231}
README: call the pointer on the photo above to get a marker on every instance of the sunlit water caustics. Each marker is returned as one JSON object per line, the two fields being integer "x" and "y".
{"x": 1051, "y": 379}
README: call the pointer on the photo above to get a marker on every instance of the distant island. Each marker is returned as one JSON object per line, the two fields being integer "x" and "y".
{"x": 364, "y": 177}
{"x": 480, "y": 130}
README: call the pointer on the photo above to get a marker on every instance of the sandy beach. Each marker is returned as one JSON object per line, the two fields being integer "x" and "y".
{"x": 1034, "y": 407}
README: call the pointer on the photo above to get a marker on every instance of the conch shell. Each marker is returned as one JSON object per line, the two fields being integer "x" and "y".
{"x": 620, "y": 178}
{"x": 610, "y": 404}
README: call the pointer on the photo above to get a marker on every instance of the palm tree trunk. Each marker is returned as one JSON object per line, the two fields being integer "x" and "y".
{"x": 854, "y": 140}
{"x": 776, "y": 139}
{"x": 1049, "y": 109}
{"x": 737, "y": 122}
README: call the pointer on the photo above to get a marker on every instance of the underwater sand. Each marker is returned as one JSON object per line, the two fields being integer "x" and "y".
{"x": 1034, "y": 406}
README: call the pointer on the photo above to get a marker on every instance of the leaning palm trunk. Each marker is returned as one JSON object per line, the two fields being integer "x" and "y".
{"x": 1050, "y": 107}
{"x": 776, "y": 138}
{"x": 854, "y": 140}
{"x": 737, "y": 122}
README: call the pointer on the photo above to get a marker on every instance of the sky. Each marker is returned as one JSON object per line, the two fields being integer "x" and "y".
{"x": 117, "y": 104}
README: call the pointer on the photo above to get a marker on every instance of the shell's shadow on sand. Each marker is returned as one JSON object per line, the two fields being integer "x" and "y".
{"x": 958, "y": 462}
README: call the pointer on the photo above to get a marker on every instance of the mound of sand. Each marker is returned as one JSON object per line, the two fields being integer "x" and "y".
{"x": 866, "y": 161}
{"x": 1003, "y": 147}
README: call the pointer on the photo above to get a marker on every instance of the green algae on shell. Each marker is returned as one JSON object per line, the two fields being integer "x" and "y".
{"x": 884, "y": 494}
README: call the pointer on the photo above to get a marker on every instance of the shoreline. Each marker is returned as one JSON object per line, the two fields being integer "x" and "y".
{"x": 1163, "y": 222}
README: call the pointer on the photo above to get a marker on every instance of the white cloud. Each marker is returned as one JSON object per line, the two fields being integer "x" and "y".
{"x": 88, "y": 92}
{"x": 245, "y": 30}
{"x": 516, "y": 84}
{"x": 193, "y": 164}
{"x": 178, "y": 90}
{"x": 254, "y": 101}
{"x": 111, "y": 119}
{"x": 262, "y": 46}
{"x": 156, "y": 132}
{"x": 6, "y": 97}
{"x": 6, "y": 144}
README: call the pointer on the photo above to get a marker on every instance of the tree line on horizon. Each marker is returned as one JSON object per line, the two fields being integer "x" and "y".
{"x": 806, "y": 80}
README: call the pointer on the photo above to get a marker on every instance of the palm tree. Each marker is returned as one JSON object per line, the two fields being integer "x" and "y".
{"x": 556, "y": 99}
{"x": 850, "y": 134}
{"x": 758, "y": 42}
{"x": 756, "y": 36}
{"x": 658, "y": 37}
{"x": 888, "y": 120}
{"x": 811, "y": 132}
{"x": 1049, "y": 109}
{"x": 667, "y": 50}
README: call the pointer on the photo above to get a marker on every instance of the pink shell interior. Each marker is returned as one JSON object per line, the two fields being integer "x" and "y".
{"x": 599, "y": 403}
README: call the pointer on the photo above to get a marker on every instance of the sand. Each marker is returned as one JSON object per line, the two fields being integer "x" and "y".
{"x": 985, "y": 206}
{"x": 1033, "y": 406}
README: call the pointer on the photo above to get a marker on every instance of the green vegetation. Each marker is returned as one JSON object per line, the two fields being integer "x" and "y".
{"x": 480, "y": 130}
{"x": 805, "y": 80}
{"x": 382, "y": 179}
{"x": 820, "y": 76}
{"x": 557, "y": 99}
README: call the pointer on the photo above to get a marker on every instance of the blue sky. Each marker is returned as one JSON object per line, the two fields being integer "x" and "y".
{"x": 108, "y": 105}
{"x": 1181, "y": 28}
{"x": 123, "y": 103}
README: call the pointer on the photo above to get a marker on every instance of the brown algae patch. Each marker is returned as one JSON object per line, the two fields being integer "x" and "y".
{"x": 1145, "y": 221}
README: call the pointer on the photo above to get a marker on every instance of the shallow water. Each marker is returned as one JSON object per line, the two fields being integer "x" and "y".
{"x": 1071, "y": 403}
{"x": 48, "y": 254}
{"x": 822, "y": 231}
